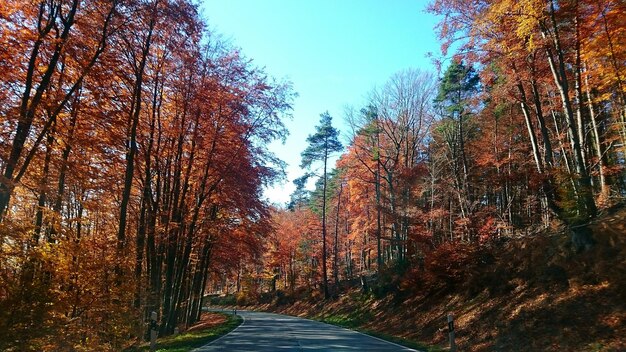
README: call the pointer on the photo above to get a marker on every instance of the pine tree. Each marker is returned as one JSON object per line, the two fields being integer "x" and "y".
{"x": 321, "y": 145}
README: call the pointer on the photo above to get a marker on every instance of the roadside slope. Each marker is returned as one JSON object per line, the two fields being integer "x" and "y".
{"x": 527, "y": 294}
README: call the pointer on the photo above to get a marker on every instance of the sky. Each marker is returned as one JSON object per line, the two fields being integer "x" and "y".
{"x": 333, "y": 51}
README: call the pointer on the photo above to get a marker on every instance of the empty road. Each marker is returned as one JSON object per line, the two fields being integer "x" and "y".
{"x": 267, "y": 332}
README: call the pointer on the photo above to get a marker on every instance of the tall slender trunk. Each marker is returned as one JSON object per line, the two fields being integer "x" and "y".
{"x": 604, "y": 187}
{"x": 336, "y": 244}
{"x": 531, "y": 130}
{"x": 177, "y": 262}
{"x": 43, "y": 189}
{"x": 145, "y": 213}
{"x": 560, "y": 79}
{"x": 379, "y": 227}
{"x": 324, "y": 271}
{"x": 197, "y": 289}
{"x": 131, "y": 147}
{"x": 543, "y": 128}
{"x": 580, "y": 123}
{"x": 66, "y": 154}
{"x": 74, "y": 276}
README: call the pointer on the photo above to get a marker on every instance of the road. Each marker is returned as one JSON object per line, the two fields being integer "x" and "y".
{"x": 265, "y": 332}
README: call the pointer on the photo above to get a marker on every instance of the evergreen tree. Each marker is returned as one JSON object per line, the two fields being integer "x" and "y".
{"x": 456, "y": 88}
{"x": 322, "y": 144}
{"x": 300, "y": 195}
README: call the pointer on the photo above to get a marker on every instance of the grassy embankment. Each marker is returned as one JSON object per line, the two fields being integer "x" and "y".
{"x": 210, "y": 327}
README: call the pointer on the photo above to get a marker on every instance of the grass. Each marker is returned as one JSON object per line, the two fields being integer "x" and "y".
{"x": 349, "y": 321}
{"x": 402, "y": 341}
{"x": 187, "y": 341}
{"x": 358, "y": 318}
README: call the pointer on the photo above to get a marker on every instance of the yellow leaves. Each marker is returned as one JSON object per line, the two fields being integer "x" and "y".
{"x": 531, "y": 13}
{"x": 518, "y": 18}
{"x": 604, "y": 47}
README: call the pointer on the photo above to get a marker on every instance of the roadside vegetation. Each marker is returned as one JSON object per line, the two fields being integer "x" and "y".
{"x": 210, "y": 327}
{"x": 355, "y": 321}
{"x": 525, "y": 294}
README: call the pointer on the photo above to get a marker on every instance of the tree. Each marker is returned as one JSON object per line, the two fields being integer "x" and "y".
{"x": 322, "y": 144}
{"x": 365, "y": 164}
{"x": 403, "y": 117}
{"x": 558, "y": 59}
{"x": 457, "y": 88}
{"x": 47, "y": 41}
{"x": 300, "y": 195}
{"x": 120, "y": 132}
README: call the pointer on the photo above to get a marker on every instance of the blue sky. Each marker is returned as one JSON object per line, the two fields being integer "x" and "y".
{"x": 334, "y": 53}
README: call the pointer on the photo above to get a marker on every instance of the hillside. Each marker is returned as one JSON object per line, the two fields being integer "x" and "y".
{"x": 526, "y": 294}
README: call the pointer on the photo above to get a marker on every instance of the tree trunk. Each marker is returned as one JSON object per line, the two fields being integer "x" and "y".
{"x": 336, "y": 244}
{"x": 560, "y": 79}
{"x": 529, "y": 125}
{"x": 379, "y": 227}
{"x": 547, "y": 144}
{"x": 43, "y": 189}
{"x": 324, "y": 272}
{"x": 131, "y": 148}
{"x": 604, "y": 187}
{"x": 580, "y": 123}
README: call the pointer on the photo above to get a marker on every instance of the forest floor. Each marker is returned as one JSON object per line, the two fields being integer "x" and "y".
{"x": 531, "y": 294}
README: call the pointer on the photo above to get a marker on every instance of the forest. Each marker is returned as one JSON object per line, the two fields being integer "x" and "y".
{"x": 134, "y": 155}
{"x": 524, "y": 127}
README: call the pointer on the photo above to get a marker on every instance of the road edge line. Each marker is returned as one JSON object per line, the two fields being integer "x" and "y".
{"x": 223, "y": 336}
{"x": 379, "y": 339}
{"x": 358, "y": 332}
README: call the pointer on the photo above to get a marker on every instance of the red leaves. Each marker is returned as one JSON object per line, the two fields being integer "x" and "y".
{"x": 177, "y": 118}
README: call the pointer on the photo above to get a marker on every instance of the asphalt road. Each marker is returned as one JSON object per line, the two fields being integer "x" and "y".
{"x": 265, "y": 332}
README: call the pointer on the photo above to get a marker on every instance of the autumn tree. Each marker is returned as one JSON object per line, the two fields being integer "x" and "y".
{"x": 538, "y": 54}
{"x": 50, "y": 34}
{"x": 403, "y": 119}
{"x": 138, "y": 146}
{"x": 363, "y": 166}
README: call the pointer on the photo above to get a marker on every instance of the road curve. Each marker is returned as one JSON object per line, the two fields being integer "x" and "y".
{"x": 267, "y": 332}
